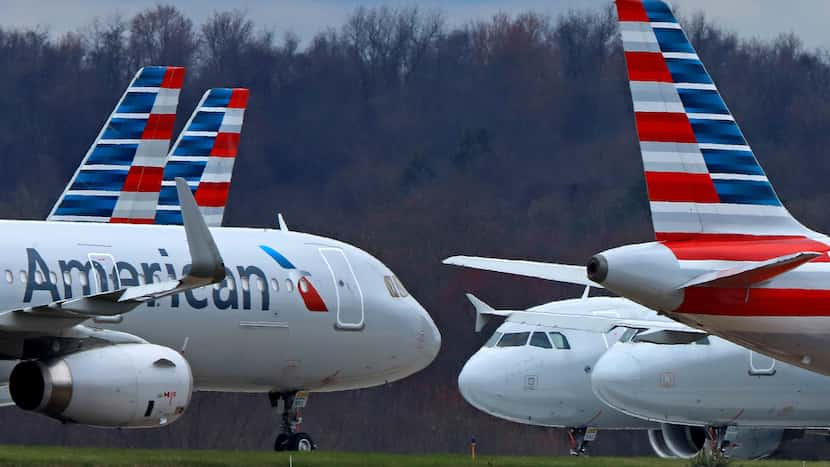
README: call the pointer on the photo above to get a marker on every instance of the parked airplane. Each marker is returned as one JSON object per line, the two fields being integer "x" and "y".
{"x": 116, "y": 325}
{"x": 710, "y": 383}
{"x": 729, "y": 258}
{"x": 543, "y": 366}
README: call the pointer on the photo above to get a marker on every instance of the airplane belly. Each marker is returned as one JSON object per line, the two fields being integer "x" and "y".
{"x": 800, "y": 341}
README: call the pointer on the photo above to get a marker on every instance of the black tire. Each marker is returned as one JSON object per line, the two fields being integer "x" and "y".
{"x": 281, "y": 443}
{"x": 301, "y": 442}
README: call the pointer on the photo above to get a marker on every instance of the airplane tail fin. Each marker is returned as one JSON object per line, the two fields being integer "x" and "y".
{"x": 120, "y": 176}
{"x": 703, "y": 179}
{"x": 204, "y": 156}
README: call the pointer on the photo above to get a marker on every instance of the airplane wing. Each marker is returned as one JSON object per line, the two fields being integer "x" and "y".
{"x": 548, "y": 271}
{"x": 654, "y": 331}
{"x": 207, "y": 269}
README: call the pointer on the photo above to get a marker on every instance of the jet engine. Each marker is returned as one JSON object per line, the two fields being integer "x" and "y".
{"x": 126, "y": 385}
{"x": 678, "y": 441}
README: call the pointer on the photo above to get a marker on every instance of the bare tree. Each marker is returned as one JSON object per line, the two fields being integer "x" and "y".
{"x": 161, "y": 36}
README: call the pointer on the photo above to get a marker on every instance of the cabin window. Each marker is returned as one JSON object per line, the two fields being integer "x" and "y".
{"x": 390, "y": 286}
{"x": 540, "y": 339}
{"x": 9, "y": 277}
{"x": 39, "y": 277}
{"x": 246, "y": 284}
{"x": 260, "y": 285}
{"x": 514, "y": 339}
{"x": 289, "y": 286}
{"x": 401, "y": 288}
{"x": 67, "y": 278}
{"x": 275, "y": 284}
{"x": 23, "y": 277}
{"x": 84, "y": 280}
{"x": 559, "y": 340}
{"x": 491, "y": 342}
{"x": 141, "y": 279}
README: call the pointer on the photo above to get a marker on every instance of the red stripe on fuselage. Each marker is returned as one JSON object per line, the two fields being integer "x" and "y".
{"x": 681, "y": 187}
{"x": 755, "y": 302}
{"x": 664, "y": 127}
{"x": 759, "y": 249}
{"x": 631, "y": 10}
{"x": 647, "y": 66}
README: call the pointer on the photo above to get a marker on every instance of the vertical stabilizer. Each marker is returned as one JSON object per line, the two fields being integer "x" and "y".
{"x": 204, "y": 156}
{"x": 120, "y": 176}
{"x": 703, "y": 178}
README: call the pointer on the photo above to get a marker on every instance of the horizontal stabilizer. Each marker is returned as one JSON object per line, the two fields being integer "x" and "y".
{"x": 754, "y": 273}
{"x": 548, "y": 271}
{"x": 484, "y": 312}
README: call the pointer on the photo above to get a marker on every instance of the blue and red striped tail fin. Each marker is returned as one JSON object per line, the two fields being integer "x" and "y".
{"x": 703, "y": 178}
{"x": 120, "y": 176}
{"x": 204, "y": 155}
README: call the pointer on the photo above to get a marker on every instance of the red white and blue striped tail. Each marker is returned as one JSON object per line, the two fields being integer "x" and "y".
{"x": 204, "y": 155}
{"x": 703, "y": 179}
{"x": 120, "y": 176}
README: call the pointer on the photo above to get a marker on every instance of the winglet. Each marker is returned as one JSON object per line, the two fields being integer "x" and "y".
{"x": 484, "y": 312}
{"x": 206, "y": 261}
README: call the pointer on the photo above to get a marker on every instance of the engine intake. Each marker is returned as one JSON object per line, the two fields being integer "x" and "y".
{"x": 127, "y": 385}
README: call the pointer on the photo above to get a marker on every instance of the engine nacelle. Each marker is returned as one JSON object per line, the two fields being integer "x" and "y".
{"x": 126, "y": 385}
{"x": 683, "y": 441}
{"x": 686, "y": 441}
{"x": 648, "y": 274}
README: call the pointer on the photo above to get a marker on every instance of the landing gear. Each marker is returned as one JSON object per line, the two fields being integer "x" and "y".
{"x": 720, "y": 438}
{"x": 289, "y": 404}
{"x": 579, "y": 438}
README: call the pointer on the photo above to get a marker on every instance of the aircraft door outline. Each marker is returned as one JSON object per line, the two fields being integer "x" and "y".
{"x": 350, "y": 304}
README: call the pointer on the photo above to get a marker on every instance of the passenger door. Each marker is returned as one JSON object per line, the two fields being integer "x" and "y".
{"x": 349, "y": 295}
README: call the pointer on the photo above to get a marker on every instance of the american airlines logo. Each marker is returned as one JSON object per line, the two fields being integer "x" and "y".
{"x": 57, "y": 283}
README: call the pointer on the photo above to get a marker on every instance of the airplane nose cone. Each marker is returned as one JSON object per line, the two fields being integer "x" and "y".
{"x": 479, "y": 385}
{"x": 430, "y": 337}
{"x": 616, "y": 378}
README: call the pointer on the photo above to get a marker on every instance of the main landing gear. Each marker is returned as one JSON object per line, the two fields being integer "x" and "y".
{"x": 579, "y": 438}
{"x": 289, "y": 404}
{"x": 720, "y": 438}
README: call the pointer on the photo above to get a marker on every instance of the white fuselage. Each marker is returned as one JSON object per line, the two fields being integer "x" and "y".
{"x": 254, "y": 332}
{"x": 716, "y": 384}
{"x": 547, "y": 386}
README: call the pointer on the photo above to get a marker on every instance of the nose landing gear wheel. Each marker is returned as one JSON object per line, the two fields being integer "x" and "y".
{"x": 281, "y": 444}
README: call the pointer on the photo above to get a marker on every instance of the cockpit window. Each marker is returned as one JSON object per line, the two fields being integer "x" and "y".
{"x": 702, "y": 341}
{"x": 390, "y": 286}
{"x": 491, "y": 342}
{"x": 514, "y": 339}
{"x": 559, "y": 341}
{"x": 401, "y": 288}
{"x": 540, "y": 339}
{"x": 629, "y": 334}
